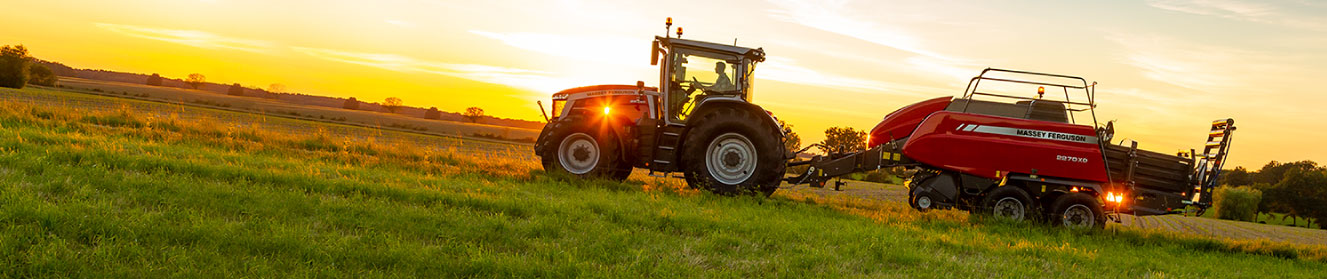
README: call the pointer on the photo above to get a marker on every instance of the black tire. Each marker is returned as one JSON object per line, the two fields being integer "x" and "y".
{"x": 1077, "y": 210}
{"x": 732, "y": 151}
{"x": 1011, "y": 203}
{"x": 921, "y": 200}
{"x": 589, "y": 151}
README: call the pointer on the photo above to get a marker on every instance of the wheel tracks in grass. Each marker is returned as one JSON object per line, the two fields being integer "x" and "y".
{"x": 1288, "y": 234}
{"x": 243, "y": 119}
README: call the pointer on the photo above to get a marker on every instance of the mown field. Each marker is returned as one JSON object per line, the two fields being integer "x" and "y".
{"x": 144, "y": 191}
{"x": 382, "y": 120}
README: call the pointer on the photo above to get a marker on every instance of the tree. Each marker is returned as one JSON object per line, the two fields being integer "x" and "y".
{"x": 351, "y": 103}
{"x": 392, "y": 104}
{"x": 236, "y": 90}
{"x": 840, "y": 140}
{"x": 14, "y": 61}
{"x": 276, "y": 88}
{"x": 154, "y": 80}
{"x": 1302, "y": 193}
{"x": 433, "y": 113}
{"x": 474, "y": 114}
{"x": 1273, "y": 172}
{"x": 39, "y": 74}
{"x": 196, "y": 80}
{"x": 791, "y": 141}
{"x": 1236, "y": 177}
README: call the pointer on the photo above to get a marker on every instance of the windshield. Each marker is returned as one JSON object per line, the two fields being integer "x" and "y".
{"x": 714, "y": 76}
{"x": 695, "y": 77}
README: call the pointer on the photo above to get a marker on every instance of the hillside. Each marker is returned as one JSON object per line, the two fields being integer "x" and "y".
{"x": 154, "y": 190}
{"x": 286, "y": 97}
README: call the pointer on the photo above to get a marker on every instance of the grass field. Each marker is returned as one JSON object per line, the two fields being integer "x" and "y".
{"x": 144, "y": 191}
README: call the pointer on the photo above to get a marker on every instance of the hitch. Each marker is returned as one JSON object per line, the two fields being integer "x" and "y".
{"x": 823, "y": 168}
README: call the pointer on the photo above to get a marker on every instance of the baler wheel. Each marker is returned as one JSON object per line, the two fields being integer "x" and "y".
{"x": 1077, "y": 210}
{"x": 920, "y": 200}
{"x": 1009, "y": 202}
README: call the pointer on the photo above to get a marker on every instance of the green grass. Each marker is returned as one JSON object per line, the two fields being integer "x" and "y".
{"x": 98, "y": 194}
{"x": 1276, "y": 219}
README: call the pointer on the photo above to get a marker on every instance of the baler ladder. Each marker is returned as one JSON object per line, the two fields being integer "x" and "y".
{"x": 1214, "y": 157}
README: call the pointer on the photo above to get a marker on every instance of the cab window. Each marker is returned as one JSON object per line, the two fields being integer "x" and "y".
{"x": 695, "y": 77}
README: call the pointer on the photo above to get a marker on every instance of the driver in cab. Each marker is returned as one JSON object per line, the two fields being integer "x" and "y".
{"x": 721, "y": 84}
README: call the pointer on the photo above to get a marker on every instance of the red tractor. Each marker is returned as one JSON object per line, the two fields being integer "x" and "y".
{"x": 700, "y": 122}
{"x": 1027, "y": 157}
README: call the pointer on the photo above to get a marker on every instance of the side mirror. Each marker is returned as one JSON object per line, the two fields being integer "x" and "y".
{"x": 654, "y": 53}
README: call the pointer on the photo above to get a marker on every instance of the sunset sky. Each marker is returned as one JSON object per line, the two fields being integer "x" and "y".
{"x": 1166, "y": 68}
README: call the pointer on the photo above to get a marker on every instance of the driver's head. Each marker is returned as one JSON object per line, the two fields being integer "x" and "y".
{"x": 719, "y": 67}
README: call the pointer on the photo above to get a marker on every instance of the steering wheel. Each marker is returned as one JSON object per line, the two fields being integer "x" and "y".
{"x": 696, "y": 84}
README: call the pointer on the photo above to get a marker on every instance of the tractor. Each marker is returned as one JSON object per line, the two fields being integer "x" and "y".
{"x": 700, "y": 122}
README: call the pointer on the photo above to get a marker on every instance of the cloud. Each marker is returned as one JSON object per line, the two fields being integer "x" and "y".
{"x": 193, "y": 38}
{"x": 399, "y": 23}
{"x": 514, "y": 77}
{"x": 605, "y": 49}
{"x": 1261, "y": 12}
{"x": 1190, "y": 65}
{"x": 1216, "y": 70}
{"x": 836, "y": 17}
{"x": 787, "y": 70}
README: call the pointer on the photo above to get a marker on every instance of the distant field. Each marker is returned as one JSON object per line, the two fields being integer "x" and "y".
{"x": 272, "y": 107}
{"x": 155, "y": 190}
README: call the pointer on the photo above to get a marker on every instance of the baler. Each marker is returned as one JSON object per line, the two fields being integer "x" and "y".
{"x": 1023, "y": 156}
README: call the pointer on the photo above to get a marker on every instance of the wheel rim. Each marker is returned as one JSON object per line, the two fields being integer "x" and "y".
{"x": 731, "y": 158}
{"x": 1078, "y": 215}
{"x": 1010, "y": 208}
{"x": 924, "y": 202}
{"x": 579, "y": 153}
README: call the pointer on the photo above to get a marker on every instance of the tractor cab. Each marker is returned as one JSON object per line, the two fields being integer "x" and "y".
{"x": 695, "y": 72}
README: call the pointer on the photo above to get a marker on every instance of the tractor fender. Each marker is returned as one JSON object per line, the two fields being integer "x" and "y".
{"x": 718, "y": 102}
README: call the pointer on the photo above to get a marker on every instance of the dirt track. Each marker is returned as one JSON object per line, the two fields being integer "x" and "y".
{"x": 1209, "y": 227}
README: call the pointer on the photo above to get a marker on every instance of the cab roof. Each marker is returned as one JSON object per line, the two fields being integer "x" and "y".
{"x": 757, "y": 54}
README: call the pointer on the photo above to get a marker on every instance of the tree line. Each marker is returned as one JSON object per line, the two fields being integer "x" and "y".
{"x": 1295, "y": 190}
{"x": 18, "y": 70}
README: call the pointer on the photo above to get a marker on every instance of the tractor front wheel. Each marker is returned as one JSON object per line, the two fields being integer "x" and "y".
{"x": 733, "y": 151}
{"x": 584, "y": 152}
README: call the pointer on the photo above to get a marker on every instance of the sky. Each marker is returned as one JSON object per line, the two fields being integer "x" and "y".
{"x": 1165, "y": 69}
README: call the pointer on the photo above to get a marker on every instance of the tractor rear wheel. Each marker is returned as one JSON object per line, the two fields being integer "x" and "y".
{"x": 585, "y": 152}
{"x": 1077, "y": 210}
{"x": 732, "y": 151}
{"x": 1010, "y": 203}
